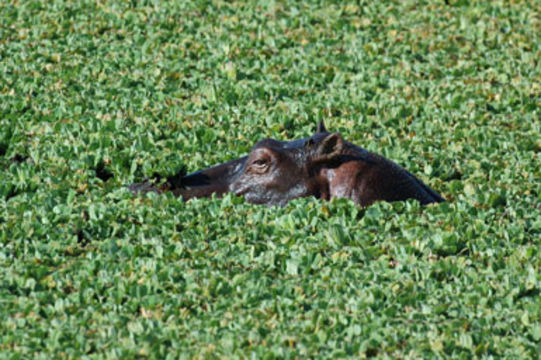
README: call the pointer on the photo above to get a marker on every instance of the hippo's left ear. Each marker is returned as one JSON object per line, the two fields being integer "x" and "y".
{"x": 329, "y": 148}
{"x": 321, "y": 127}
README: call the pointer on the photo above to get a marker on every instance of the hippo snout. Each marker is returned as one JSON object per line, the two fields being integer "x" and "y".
{"x": 238, "y": 188}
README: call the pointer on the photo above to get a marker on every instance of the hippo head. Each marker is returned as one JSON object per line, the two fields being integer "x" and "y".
{"x": 276, "y": 172}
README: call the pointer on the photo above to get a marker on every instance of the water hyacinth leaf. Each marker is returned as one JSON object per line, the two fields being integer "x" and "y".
{"x": 97, "y": 95}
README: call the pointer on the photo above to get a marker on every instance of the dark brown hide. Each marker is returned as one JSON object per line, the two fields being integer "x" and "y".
{"x": 323, "y": 165}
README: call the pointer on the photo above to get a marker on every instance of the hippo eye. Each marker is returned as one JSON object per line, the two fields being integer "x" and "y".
{"x": 260, "y": 162}
{"x": 259, "y": 165}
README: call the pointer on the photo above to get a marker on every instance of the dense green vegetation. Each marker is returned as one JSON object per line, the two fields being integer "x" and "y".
{"x": 95, "y": 95}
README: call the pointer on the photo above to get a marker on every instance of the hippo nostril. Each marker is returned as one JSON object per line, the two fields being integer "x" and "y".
{"x": 237, "y": 190}
{"x": 240, "y": 192}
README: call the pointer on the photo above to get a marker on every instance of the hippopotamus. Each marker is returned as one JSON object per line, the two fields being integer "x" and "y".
{"x": 323, "y": 165}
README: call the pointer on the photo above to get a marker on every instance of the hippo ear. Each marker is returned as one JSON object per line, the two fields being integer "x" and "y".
{"x": 321, "y": 127}
{"x": 330, "y": 147}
